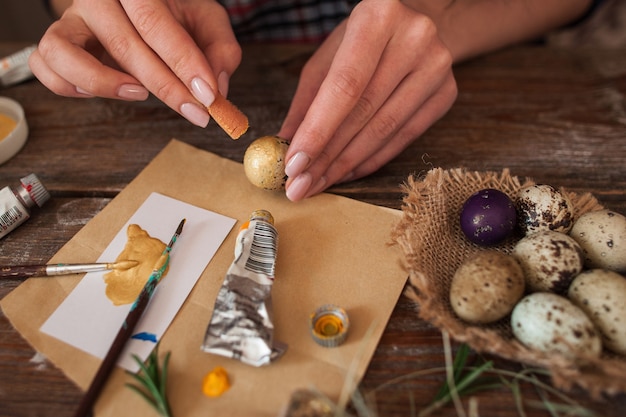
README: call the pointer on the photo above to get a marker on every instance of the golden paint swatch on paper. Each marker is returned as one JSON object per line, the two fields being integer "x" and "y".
{"x": 123, "y": 286}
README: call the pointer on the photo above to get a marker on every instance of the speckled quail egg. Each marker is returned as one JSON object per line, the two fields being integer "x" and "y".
{"x": 486, "y": 287}
{"x": 542, "y": 207}
{"x": 601, "y": 294}
{"x": 553, "y": 324}
{"x": 550, "y": 260}
{"x": 264, "y": 162}
{"x": 602, "y": 236}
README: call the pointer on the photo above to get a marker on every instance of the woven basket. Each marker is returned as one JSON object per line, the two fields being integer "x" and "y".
{"x": 434, "y": 246}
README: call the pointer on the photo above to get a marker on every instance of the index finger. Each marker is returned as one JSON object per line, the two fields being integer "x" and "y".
{"x": 165, "y": 35}
{"x": 352, "y": 68}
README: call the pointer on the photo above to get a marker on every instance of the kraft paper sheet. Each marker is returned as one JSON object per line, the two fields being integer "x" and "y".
{"x": 331, "y": 250}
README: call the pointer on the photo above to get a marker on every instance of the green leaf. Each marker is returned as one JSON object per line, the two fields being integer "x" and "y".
{"x": 461, "y": 381}
{"x": 458, "y": 366}
{"x": 152, "y": 382}
{"x": 472, "y": 376}
{"x": 163, "y": 381}
{"x": 148, "y": 379}
{"x": 460, "y": 360}
{"x": 145, "y": 396}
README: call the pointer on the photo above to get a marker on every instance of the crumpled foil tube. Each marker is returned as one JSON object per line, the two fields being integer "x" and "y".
{"x": 241, "y": 325}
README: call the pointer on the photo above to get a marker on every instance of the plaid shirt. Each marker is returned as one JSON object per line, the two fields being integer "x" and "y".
{"x": 286, "y": 20}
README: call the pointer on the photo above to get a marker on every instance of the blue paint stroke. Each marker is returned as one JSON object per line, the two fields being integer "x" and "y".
{"x": 148, "y": 337}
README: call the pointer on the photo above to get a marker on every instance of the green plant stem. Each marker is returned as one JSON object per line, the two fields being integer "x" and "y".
{"x": 152, "y": 382}
{"x": 471, "y": 379}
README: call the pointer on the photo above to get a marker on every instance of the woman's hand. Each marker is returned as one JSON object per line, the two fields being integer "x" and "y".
{"x": 377, "y": 83}
{"x": 182, "y": 51}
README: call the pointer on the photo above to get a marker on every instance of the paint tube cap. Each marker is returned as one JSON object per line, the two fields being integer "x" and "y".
{"x": 263, "y": 215}
{"x": 329, "y": 325}
{"x": 33, "y": 191}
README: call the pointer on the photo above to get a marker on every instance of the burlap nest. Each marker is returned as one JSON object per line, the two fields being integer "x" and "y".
{"x": 434, "y": 245}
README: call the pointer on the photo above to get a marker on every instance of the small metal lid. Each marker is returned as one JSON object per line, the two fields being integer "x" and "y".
{"x": 263, "y": 215}
{"x": 329, "y": 325}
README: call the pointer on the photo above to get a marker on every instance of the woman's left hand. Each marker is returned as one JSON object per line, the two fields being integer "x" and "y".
{"x": 376, "y": 84}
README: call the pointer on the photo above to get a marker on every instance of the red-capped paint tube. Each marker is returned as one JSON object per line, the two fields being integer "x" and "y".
{"x": 16, "y": 204}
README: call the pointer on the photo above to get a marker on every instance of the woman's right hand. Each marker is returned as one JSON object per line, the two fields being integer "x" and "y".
{"x": 182, "y": 51}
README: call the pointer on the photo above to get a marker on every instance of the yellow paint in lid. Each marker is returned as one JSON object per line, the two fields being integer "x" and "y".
{"x": 7, "y": 125}
{"x": 13, "y": 128}
{"x": 329, "y": 325}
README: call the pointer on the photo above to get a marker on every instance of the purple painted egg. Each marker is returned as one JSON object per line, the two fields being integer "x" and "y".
{"x": 488, "y": 217}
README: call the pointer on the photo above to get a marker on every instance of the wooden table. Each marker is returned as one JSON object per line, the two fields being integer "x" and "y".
{"x": 556, "y": 116}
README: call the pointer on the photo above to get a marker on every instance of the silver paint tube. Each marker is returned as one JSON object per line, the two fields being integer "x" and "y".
{"x": 241, "y": 325}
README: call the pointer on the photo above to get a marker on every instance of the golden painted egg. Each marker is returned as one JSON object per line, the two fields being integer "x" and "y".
{"x": 264, "y": 162}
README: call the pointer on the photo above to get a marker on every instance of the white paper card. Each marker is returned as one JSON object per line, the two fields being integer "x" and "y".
{"x": 88, "y": 320}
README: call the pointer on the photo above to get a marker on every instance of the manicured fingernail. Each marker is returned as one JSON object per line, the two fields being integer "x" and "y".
{"x": 222, "y": 83}
{"x": 132, "y": 92}
{"x": 319, "y": 186}
{"x": 297, "y": 164}
{"x": 83, "y": 92}
{"x": 195, "y": 114}
{"x": 299, "y": 186}
{"x": 202, "y": 91}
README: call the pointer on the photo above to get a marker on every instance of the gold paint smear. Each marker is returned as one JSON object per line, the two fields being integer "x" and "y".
{"x": 123, "y": 286}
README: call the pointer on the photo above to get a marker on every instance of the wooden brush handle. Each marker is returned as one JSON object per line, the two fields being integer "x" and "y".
{"x": 24, "y": 271}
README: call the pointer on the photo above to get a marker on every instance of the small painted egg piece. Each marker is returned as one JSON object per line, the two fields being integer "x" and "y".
{"x": 553, "y": 324}
{"x": 550, "y": 260}
{"x": 602, "y": 236}
{"x": 486, "y": 287}
{"x": 488, "y": 217}
{"x": 601, "y": 294}
{"x": 264, "y": 162}
{"x": 542, "y": 207}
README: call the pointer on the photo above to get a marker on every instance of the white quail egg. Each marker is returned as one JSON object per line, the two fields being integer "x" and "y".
{"x": 553, "y": 324}
{"x": 542, "y": 207}
{"x": 550, "y": 260}
{"x": 486, "y": 287}
{"x": 601, "y": 294}
{"x": 602, "y": 236}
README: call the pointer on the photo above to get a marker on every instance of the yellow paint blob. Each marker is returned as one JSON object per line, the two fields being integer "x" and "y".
{"x": 328, "y": 325}
{"x": 216, "y": 382}
{"x": 123, "y": 286}
{"x": 7, "y": 125}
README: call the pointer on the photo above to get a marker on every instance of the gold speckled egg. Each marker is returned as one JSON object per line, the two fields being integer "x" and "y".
{"x": 264, "y": 162}
{"x": 486, "y": 287}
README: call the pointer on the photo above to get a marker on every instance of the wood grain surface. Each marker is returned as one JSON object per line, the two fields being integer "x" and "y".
{"x": 557, "y": 116}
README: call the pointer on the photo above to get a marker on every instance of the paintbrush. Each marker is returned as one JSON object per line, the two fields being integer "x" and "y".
{"x": 25, "y": 271}
{"x": 126, "y": 331}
